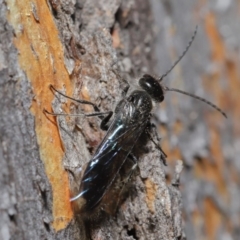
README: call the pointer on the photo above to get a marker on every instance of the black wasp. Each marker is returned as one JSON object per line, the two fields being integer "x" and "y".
{"x": 131, "y": 120}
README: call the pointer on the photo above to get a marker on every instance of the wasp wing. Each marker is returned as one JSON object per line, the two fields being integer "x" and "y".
{"x": 111, "y": 154}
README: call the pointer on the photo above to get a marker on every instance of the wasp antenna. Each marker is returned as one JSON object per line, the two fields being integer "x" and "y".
{"x": 183, "y": 54}
{"x": 197, "y": 97}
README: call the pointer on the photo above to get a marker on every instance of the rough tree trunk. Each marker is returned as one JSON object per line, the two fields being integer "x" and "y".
{"x": 78, "y": 46}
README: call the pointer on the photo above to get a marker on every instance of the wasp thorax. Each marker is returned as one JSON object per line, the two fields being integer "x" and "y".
{"x": 152, "y": 87}
{"x": 141, "y": 100}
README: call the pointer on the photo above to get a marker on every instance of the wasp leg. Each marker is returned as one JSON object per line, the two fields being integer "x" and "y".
{"x": 76, "y": 100}
{"x": 105, "y": 121}
{"x": 104, "y": 124}
{"x": 163, "y": 154}
{"x": 128, "y": 175}
{"x": 133, "y": 158}
{"x": 120, "y": 189}
{"x": 98, "y": 114}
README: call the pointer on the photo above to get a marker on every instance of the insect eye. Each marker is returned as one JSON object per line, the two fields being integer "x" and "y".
{"x": 152, "y": 87}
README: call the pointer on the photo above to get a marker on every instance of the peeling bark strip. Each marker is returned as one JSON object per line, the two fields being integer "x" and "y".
{"x": 70, "y": 44}
{"x": 41, "y": 57}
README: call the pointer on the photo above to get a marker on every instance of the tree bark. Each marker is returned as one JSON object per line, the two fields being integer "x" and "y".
{"x": 82, "y": 48}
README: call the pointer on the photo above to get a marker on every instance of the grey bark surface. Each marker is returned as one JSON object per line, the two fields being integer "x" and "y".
{"x": 87, "y": 29}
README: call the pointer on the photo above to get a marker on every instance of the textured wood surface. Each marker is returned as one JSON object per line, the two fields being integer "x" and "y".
{"x": 76, "y": 45}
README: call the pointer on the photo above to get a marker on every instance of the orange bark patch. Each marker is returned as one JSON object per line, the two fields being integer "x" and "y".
{"x": 213, "y": 173}
{"x": 178, "y": 127}
{"x": 233, "y": 94}
{"x": 227, "y": 96}
{"x": 151, "y": 189}
{"x": 197, "y": 218}
{"x": 212, "y": 218}
{"x": 116, "y": 39}
{"x": 41, "y": 57}
{"x": 218, "y": 53}
{"x": 226, "y": 68}
{"x": 216, "y": 42}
